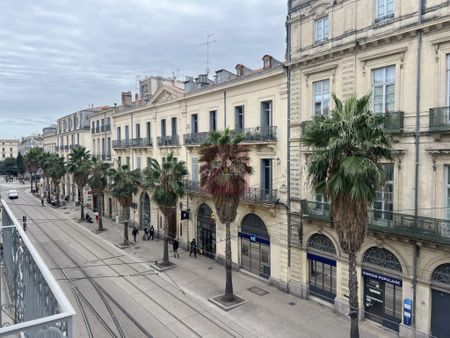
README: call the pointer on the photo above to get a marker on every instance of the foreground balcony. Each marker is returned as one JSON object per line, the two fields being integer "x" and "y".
{"x": 251, "y": 195}
{"x": 440, "y": 119}
{"x": 250, "y": 135}
{"x": 38, "y": 308}
{"x": 104, "y": 157}
{"x": 195, "y": 138}
{"x": 418, "y": 228}
{"x": 168, "y": 141}
{"x": 141, "y": 142}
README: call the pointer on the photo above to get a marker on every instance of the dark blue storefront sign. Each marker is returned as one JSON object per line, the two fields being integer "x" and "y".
{"x": 383, "y": 278}
{"x": 254, "y": 238}
{"x": 321, "y": 259}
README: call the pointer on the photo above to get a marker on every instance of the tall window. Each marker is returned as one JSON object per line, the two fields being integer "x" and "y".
{"x": 213, "y": 120}
{"x": 138, "y": 163}
{"x": 266, "y": 115}
{"x": 383, "y": 89}
{"x": 195, "y": 170}
{"x": 174, "y": 126}
{"x": 448, "y": 79}
{"x": 138, "y": 130}
{"x": 322, "y": 29}
{"x": 194, "y": 123}
{"x": 321, "y": 97}
{"x": 163, "y": 128}
{"x": 384, "y": 204}
{"x": 127, "y": 134}
{"x": 239, "y": 118}
{"x": 447, "y": 189}
{"x": 149, "y": 131}
{"x": 384, "y": 10}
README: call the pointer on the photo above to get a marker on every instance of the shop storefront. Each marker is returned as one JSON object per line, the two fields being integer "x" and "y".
{"x": 206, "y": 231}
{"x": 440, "y": 301}
{"x": 255, "y": 246}
{"x": 322, "y": 267}
{"x": 144, "y": 210}
{"x": 383, "y": 292}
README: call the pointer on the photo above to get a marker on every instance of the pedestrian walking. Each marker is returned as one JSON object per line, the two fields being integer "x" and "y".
{"x": 175, "y": 246}
{"x": 152, "y": 232}
{"x": 42, "y": 200}
{"x": 97, "y": 216}
{"x": 135, "y": 232}
{"x": 193, "y": 248}
{"x": 147, "y": 233}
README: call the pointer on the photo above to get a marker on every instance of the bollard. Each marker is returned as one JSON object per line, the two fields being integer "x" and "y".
{"x": 24, "y": 220}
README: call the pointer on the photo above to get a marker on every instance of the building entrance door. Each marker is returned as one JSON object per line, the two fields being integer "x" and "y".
{"x": 373, "y": 299}
{"x": 145, "y": 210}
{"x": 206, "y": 231}
{"x": 440, "y": 323}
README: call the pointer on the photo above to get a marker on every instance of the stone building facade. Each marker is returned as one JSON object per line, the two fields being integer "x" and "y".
{"x": 8, "y": 148}
{"x": 178, "y": 121}
{"x": 400, "y": 52}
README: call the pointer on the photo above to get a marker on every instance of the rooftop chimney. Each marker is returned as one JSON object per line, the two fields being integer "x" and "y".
{"x": 126, "y": 98}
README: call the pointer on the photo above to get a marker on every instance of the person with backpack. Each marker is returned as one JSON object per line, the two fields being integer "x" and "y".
{"x": 193, "y": 248}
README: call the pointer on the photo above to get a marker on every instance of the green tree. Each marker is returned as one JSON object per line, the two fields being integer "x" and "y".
{"x": 45, "y": 165}
{"x": 79, "y": 165}
{"x": 32, "y": 161}
{"x": 20, "y": 164}
{"x": 345, "y": 166}
{"x": 124, "y": 186}
{"x": 98, "y": 181}
{"x": 8, "y": 167}
{"x": 167, "y": 185}
{"x": 223, "y": 172}
{"x": 56, "y": 169}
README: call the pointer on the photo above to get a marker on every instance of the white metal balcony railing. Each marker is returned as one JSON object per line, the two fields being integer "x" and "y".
{"x": 38, "y": 306}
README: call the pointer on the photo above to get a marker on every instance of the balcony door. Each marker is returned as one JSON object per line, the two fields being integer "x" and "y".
{"x": 239, "y": 118}
{"x": 194, "y": 123}
{"x": 266, "y": 118}
{"x": 266, "y": 179}
{"x": 174, "y": 127}
{"x": 384, "y": 204}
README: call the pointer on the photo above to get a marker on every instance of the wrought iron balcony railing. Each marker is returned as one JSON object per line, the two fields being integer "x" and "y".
{"x": 259, "y": 134}
{"x": 440, "y": 119}
{"x": 97, "y": 129}
{"x": 66, "y": 147}
{"x": 167, "y": 141}
{"x": 195, "y": 138}
{"x": 252, "y": 195}
{"x": 38, "y": 305}
{"x": 121, "y": 143}
{"x": 141, "y": 142}
{"x": 421, "y": 228}
{"x": 108, "y": 127}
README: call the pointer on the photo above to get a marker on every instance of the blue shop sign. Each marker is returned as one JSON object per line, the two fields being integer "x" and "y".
{"x": 321, "y": 259}
{"x": 383, "y": 278}
{"x": 254, "y": 238}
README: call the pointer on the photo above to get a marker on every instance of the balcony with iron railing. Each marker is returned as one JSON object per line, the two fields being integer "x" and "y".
{"x": 38, "y": 308}
{"x": 116, "y": 144}
{"x": 418, "y": 228}
{"x": 194, "y": 139}
{"x": 251, "y": 195}
{"x": 258, "y": 134}
{"x": 141, "y": 142}
{"x": 168, "y": 141}
{"x": 393, "y": 123}
{"x": 440, "y": 119}
{"x": 103, "y": 157}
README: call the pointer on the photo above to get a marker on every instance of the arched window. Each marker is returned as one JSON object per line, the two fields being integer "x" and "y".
{"x": 382, "y": 258}
{"x": 254, "y": 225}
{"x": 322, "y": 243}
{"x": 204, "y": 211}
{"x": 442, "y": 274}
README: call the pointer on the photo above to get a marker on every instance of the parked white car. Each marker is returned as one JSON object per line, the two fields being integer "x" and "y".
{"x": 13, "y": 194}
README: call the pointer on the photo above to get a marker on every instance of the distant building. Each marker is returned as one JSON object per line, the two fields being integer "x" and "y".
{"x": 8, "y": 148}
{"x": 28, "y": 142}
{"x": 49, "y": 138}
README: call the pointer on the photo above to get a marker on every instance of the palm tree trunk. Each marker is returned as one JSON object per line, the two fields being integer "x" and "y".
{"x": 100, "y": 222}
{"x": 229, "y": 296}
{"x": 353, "y": 295}
{"x": 125, "y": 213}
{"x": 80, "y": 198}
{"x": 31, "y": 182}
{"x": 166, "y": 241}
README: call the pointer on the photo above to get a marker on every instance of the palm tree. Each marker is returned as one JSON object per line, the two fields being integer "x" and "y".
{"x": 223, "y": 172}
{"x": 167, "y": 183}
{"x": 32, "y": 158}
{"x": 345, "y": 166}
{"x": 124, "y": 186}
{"x": 56, "y": 169}
{"x": 79, "y": 165}
{"x": 45, "y": 166}
{"x": 98, "y": 181}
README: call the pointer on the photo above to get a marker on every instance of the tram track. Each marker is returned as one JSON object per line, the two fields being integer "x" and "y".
{"x": 224, "y": 327}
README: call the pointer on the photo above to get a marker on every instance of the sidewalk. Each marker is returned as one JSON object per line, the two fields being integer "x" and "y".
{"x": 275, "y": 314}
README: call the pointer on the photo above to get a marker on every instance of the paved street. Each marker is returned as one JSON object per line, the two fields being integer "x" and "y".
{"x": 117, "y": 294}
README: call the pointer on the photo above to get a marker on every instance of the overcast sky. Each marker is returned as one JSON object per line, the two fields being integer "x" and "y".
{"x": 59, "y": 56}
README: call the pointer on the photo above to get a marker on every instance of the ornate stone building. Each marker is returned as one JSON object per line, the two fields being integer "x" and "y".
{"x": 400, "y": 52}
